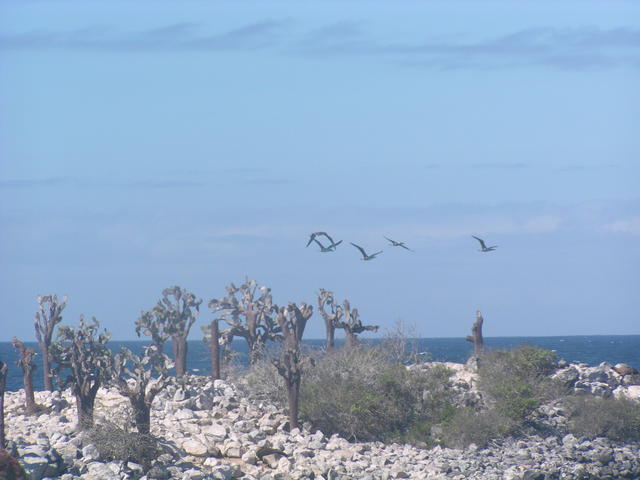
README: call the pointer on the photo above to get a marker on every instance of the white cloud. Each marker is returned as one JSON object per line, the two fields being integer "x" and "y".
{"x": 542, "y": 224}
{"x": 630, "y": 226}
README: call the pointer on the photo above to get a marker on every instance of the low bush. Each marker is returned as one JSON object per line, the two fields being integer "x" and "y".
{"x": 616, "y": 419}
{"x": 116, "y": 443}
{"x": 516, "y": 382}
{"x": 363, "y": 395}
{"x": 263, "y": 381}
{"x": 513, "y": 383}
{"x": 468, "y": 426}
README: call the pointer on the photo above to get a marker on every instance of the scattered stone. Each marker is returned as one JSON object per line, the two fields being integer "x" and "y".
{"x": 209, "y": 431}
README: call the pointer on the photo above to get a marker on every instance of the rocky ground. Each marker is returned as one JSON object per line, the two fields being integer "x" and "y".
{"x": 213, "y": 432}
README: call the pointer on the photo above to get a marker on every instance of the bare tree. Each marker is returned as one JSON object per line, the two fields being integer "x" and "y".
{"x": 134, "y": 378}
{"x": 45, "y": 321}
{"x": 352, "y": 325}
{"x": 248, "y": 316}
{"x": 25, "y": 362}
{"x": 3, "y": 380}
{"x": 89, "y": 361}
{"x": 292, "y": 321}
{"x": 330, "y": 317}
{"x": 476, "y": 335}
{"x": 173, "y": 316}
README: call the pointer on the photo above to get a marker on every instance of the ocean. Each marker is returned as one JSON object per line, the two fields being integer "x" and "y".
{"x": 592, "y": 350}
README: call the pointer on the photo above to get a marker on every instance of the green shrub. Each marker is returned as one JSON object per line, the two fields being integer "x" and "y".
{"x": 363, "y": 395}
{"x": 116, "y": 443}
{"x": 263, "y": 381}
{"x": 513, "y": 384}
{"x": 516, "y": 382}
{"x": 467, "y": 426}
{"x": 616, "y": 419}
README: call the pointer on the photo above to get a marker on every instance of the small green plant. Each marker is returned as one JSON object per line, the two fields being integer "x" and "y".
{"x": 513, "y": 384}
{"x": 359, "y": 393}
{"x": 614, "y": 418}
{"x": 468, "y": 426}
{"x": 516, "y": 381}
{"x": 116, "y": 443}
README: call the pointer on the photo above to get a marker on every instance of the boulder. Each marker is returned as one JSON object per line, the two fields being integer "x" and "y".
{"x": 632, "y": 392}
{"x": 90, "y": 453}
{"x": 624, "y": 369}
{"x": 216, "y": 431}
{"x": 195, "y": 448}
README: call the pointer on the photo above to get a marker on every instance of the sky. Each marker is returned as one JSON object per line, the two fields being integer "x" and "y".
{"x": 149, "y": 144}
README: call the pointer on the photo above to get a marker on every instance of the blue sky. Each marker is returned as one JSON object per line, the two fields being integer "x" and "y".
{"x": 147, "y": 144}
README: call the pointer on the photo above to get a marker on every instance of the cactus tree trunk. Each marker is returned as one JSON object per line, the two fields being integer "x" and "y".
{"x": 142, "y": 414}
{"x": 215, "y": 350}
{"x": 179, "y": 345}
{"x": 294, "y": 401}
{"x": 84, "y": 407}
{"x": 46, "y": 367}
{"x": 3, "y": 378}
{"x": 331, "y": 332}
{"x": 26, "y": 364}
{"x": 476, "y": 335}
{"x": 30, "y": 401}
{"x": 352, "y": 339}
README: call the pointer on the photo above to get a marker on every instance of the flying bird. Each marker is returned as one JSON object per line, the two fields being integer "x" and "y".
{"x": 364, "y": 254}
{"x": 483, "y": 247}
{"x": 330, "y": 248}
{"x": 397, "y": 244}
{"x": 315, "y": 234}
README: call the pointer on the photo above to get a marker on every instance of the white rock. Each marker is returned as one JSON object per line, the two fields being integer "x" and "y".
{"x": 35, "y": 466}
{"x": 631, "y": 392}
{"x": 215, "y": 430}
{"x": 184, "y": 414}
{"x": 195, "y": 448}
{"x": 90, "y": 452}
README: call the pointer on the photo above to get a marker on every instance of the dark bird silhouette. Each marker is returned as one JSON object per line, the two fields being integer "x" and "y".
{"x": 364, "y": 254}
{"x": 483, "y": 247}
{"x": 393, "y": 243}
{"x": 313, "y": 236}
{"x": 330, "y": 248}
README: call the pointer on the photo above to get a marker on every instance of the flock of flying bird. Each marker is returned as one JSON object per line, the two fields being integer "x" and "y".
{"x": 365, "y": 256}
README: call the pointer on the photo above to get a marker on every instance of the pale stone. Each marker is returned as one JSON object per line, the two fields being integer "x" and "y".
{"x": 195, "y": 448}
{"x": 90, "y": 452}
{"x": 35, "y": 466}
{"x": 215, "y": 430}
{"x": 632, "y": 392}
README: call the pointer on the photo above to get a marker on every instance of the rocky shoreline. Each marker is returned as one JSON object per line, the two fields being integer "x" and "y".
{"x": 212, "y": 431}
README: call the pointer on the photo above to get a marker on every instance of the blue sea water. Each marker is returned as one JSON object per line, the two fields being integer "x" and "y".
{"x": 588, "y": 349}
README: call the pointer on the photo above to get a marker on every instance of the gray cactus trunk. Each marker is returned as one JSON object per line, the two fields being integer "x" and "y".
{"x": 215, "y": 350}
{"x": 142, "y": 415}
{"x": 30, "y": 401}
{"x": 331, "y": 332}
{"x": 179, "y": 347}
{"x": 3, "y": 378}
{"x": 84, "y": 407}
{"x": 46, "y": 367}
{"x": 294, "y": 402}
